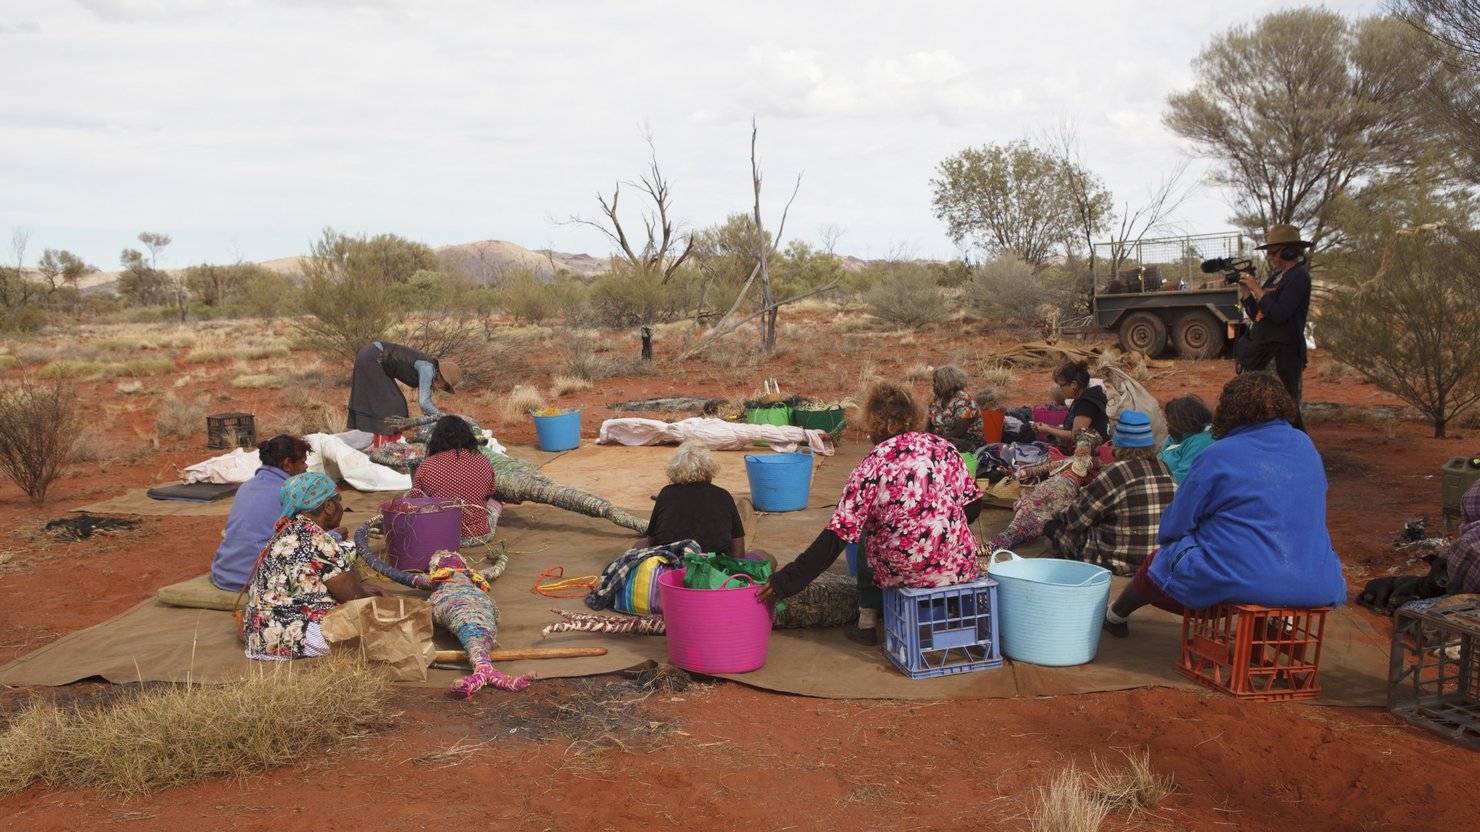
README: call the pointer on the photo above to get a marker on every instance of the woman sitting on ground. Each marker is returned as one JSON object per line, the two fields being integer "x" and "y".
{"x": 1113, "y": 519}
{"x": 908, "y": 505}
{"x": 303, "y": 574}
{"x": 953, "y": 414}
{"x": 1061, "y": 480}
{"x": 456, "y": 469}
{"x": 1189, "y": 433}
{"x": 255, "y": 510}
{"x": 1464, "y": 552}
{"x": 1249, "y": 522}
{"x": 1087, "y": 410}
{"x": 692, "y": 507}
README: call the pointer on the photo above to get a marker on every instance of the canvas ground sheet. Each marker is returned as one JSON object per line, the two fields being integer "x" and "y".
{"x": 156, "y": 641}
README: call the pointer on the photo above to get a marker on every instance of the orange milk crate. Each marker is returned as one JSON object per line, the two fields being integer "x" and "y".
{"x": 1262, "y": 654}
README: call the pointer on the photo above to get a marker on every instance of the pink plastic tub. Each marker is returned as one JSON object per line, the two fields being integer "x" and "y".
{"x": 714, "y": 630}
{"x": 1050, "y": 414}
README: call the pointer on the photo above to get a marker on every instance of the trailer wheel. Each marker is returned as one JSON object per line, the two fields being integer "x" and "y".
{"x": 1143, "y": 332}
{"x": 1198, "y": 335}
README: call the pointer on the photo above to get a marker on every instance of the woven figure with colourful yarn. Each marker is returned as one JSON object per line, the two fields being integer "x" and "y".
{"x": 461, "y": 604}
{"x": 516, "y": 480}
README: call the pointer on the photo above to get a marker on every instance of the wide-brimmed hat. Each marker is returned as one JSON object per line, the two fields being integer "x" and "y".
{"x": 449, "y": 373}
{"x": 1283, "y": 235}
{"x": 1133, "y": 430}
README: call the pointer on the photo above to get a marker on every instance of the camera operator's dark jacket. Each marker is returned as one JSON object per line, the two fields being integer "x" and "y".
{"x": 1279, "y": 318}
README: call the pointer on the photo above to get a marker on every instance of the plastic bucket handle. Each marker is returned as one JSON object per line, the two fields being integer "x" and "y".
{"x": 749, "y": 581}
{"x": 1010, "y": 555}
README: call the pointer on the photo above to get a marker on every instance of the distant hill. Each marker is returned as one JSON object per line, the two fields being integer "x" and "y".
{"x": 486, "y": 260}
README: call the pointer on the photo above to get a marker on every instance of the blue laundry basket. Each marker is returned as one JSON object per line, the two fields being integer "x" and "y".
{"x": 1049, "y": 609}
{"x": 779, "y": 482}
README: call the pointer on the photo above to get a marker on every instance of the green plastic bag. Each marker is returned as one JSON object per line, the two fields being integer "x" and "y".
{"x": 713, "y": 571}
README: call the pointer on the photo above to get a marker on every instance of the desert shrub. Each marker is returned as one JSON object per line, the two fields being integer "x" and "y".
{"x": 134, "y": 368}
{"x": 908, "y": 297}
{"x": 527, "y": 298}
{"x": 10, "y": 362}
{"x": 581, "y": 360}
{"x": 267, "y": 295}
{"x": 177, "y": 419}
{"x": 1010, "y": 291}
{"x": 39, "y": 426}
{"x": 279, "y": 714}
{"x": 24, "y": 320}
{"x": 69, "y": 369}
{"x": 628, "y": 296}
{"x": 1066, "y": 804}
{"x": 516, "y": 406}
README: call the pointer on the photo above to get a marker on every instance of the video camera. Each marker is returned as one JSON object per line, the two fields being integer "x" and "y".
{"x": 1229, "y": 265}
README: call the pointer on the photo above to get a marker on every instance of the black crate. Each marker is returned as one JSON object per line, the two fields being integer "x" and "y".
{"x": 231, "y": 430}
{"x": 1434, "y": 672}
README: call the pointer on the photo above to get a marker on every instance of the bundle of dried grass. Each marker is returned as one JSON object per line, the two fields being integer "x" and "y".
{"x": 1066, "y": 804}
{"x": 1134, "y": 787}
{"x": 280, "y": 714}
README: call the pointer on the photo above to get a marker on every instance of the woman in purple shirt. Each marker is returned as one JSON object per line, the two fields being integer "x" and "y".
{"x": 256, "y": 509}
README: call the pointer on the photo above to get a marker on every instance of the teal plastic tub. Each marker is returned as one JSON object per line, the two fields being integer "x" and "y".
{"x": 1050, "y": 609}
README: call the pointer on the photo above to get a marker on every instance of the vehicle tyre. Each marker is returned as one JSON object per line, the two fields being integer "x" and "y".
{"x": 1198, "y": 335}
{"x": 1143, "y": 332}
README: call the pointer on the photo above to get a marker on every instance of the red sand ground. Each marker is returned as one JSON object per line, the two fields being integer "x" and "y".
{"x": 748, "y": 759}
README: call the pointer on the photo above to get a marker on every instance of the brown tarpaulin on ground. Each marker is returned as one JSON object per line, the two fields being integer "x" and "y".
{"x": 154, "y": 641}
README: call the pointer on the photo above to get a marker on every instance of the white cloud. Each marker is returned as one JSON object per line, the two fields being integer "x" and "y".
{"x": 264, "y": 120}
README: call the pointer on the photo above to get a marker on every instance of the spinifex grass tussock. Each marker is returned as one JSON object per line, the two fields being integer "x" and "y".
{"x": 1132, "y": 787}
{"x": 918, "y": 372}
{"x": 256, "y": 380}
{"x": 280, "y": 714}
{"x": 516, "y": 406}
{"x": 1066, "y": 804}
{"x": 564, "y": 385}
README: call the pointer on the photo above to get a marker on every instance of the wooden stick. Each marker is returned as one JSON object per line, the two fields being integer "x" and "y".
{"x": 456, "y": 656}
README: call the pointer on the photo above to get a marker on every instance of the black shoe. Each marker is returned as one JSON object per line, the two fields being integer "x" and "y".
{"x": 1121, "y": 630}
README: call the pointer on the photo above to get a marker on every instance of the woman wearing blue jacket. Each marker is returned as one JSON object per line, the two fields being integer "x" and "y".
{"x": 1248, "y": 524}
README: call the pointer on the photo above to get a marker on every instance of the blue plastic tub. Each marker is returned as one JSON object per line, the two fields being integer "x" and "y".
{"x": 1050, "y": 609}
{"x": 558, "y": 433}
{"x": 779, "y": 482}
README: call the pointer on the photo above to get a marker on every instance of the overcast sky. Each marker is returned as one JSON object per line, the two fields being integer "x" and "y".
{"x": 243, "y": 127}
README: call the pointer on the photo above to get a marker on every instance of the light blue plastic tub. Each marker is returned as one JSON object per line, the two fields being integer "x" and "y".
{"x": 558, "y": 433}
{"x": 779, "y": 482}
{"x": 1050, "y": 609}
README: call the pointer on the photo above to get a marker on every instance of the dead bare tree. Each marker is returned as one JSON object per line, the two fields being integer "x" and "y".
{"x": 666, "y": 247}
{"x": 770, "y": 306}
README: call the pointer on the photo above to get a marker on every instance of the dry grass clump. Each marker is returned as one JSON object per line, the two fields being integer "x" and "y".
{"x": 1066, "y": 804}
{"x": 256, "y": 380}
{"x": 1336, "y": 371}
{"x": 177, "y": 419}
{"x": 280, "y": 714}
{"x": 919, "y": 372}
{"x": 310, "y": 414}
{"x": 516, "y": 406}
{"x": 10, "y": 362}
{"x": 565, "y": 385}
{"x": 1134, "y": 787}
{"x": 133, "y": 368}
{"x": 214, "y": 355}
{"x": 997, "y": 374}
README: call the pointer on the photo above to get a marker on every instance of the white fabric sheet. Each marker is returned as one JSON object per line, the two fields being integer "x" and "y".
{"x": 329, "y": 454}
{"x": 716, "y": 434}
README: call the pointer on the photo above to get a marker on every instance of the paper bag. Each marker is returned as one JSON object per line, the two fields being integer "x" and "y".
{"x": 395, "y": 631}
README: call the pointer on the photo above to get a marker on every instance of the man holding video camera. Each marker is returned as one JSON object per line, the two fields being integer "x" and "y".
{"x": 1278, "y": 308}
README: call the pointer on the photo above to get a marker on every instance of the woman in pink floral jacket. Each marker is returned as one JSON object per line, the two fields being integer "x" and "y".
{"x": 908, "y": 505}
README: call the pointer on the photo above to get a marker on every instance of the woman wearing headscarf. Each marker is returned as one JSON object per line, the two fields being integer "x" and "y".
{"x": 302, "y": 574}
{"x": 255, "y": 510}
{"x": 953, "y": 414}
{"x": 456, "y": 469}
{"x": 376, "y": 404}
{"x": 908, "y": 505}
{"x": 1248, "y": 525}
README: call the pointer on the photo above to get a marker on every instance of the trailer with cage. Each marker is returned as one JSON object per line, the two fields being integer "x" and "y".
{"x": 1153, "y": 293}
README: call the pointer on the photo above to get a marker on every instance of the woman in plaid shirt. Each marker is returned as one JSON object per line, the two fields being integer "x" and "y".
{"x": 1113, "y": 520}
